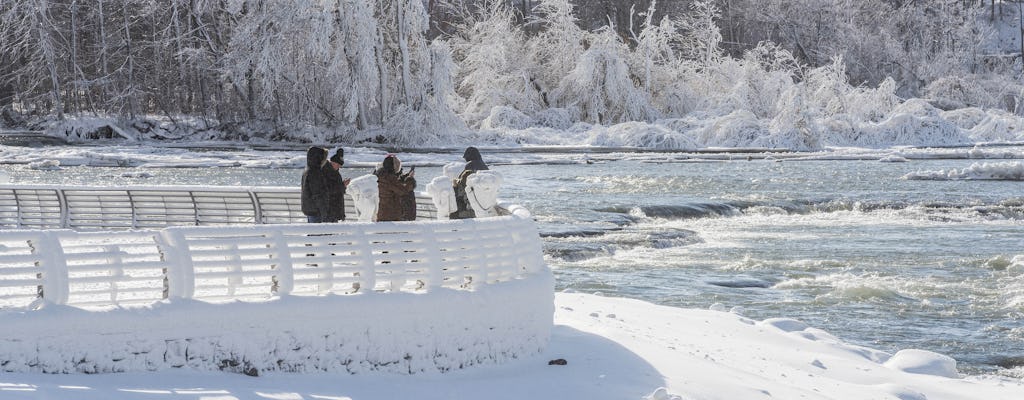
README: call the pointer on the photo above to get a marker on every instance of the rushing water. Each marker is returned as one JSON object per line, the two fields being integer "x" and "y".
{"x": 846, "y": 246}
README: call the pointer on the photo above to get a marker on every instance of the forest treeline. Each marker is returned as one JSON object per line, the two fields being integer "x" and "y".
{"x": 415, "y": 71}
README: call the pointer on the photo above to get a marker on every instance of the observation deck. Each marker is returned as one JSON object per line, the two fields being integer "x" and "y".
{"x": 232, "y": 278}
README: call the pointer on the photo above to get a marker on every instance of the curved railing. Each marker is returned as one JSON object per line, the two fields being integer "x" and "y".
{"x": 258, "y": 261}
{"x": 139, "y": 207}
{"x": 356, "y": 297}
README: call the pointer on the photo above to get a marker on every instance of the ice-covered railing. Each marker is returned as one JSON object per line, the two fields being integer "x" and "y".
{"x": 137, "y": 207}
{"x": 258, "y": 261}
{"x": 356, "y": 297}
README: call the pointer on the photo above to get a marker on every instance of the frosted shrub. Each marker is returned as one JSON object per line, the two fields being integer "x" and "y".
{"x": 493, "y": 70}
{"x": 758, "y": 90}
{"x": 741, "y": 128}
{"x": 914, "y": 123}
{"x": 997, "y": 126}
{"x": 973, "y": 90}
{"x": 795, "y": 126}
{"x": 965, "y": 118}
{"x": 555, "y": 50}
{"x": 760, "y": 79}
{"x": 873, "y": 105}
{"x": 701, "y": 33}
{"x": 640, "y": 134}
{"x": 431, "y": 125}
{"x": 555, "y": 118}
{"x": 826, "y": 87}
{"x": 506, "y": 117}
{"x": 600, "y": 86}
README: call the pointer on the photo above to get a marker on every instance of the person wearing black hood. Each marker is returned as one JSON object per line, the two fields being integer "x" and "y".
{"x": 474, "y": 162}
{"x": 315, "y": 198}
{"x": 335, "y": 186}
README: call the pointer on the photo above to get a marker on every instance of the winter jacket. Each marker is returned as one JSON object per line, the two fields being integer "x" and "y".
{"x": 315, "y": 198}
{"x": 395, "y": 189}
{"x": 474, "y": 162}
{"x": 464, "y": 210}
{"x": 336, "y": 191}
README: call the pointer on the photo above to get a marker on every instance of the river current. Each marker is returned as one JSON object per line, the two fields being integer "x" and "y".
{"x": 844, "y": 245}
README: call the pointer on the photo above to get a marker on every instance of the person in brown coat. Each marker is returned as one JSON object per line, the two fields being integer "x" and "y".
{"x": 395, "y": 189}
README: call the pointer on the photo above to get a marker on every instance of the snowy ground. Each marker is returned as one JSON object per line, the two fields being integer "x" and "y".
{"x": 614, "y": 348}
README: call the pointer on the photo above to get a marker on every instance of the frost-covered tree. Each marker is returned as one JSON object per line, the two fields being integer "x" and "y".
{"x": 557, "y": 48}
{"x": 601, "y": 86}
{"x": 493, "y": 70}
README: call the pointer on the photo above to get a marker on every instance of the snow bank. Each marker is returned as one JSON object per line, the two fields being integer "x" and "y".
{"x": 614, "y": 349}
{"x": 398, "y": 333}
{"x": 923, "y": 362}
{"x": 797, "y": 122}
{"x": 1009, "y": 171}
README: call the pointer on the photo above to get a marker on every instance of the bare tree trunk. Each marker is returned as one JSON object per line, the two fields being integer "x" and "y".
{"x": 383, "y": 74}
{"x": 403, "y": 45}
{"x": 182, "y": 97}
{"x": 130, "y": 88}
{"x": 1020, "y": 22}
{"x": 105, "y": 78}
{"x": 46, "y": 43}
{"x": 78, "y": 78}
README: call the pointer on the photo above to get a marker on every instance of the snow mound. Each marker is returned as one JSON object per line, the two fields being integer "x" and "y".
{"x": 923, "y": 362}
{"x": 1005, "y": 171}
{"x": 662, "y": 394}
{"x": 785, "y": 324}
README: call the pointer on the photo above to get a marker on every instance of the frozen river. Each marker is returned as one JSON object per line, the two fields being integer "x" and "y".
{"x": 847, "y": 246}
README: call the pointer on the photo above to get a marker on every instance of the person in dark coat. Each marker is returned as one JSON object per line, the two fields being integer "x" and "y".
{"x": 395, "y": 189}
{"x": 474, "y": 162}
{"x": 335, "y": 186}
{"x": 315, "y": 198}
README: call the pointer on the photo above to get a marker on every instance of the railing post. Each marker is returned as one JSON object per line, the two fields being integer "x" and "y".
{"x": 284, "y": 272}
{"x": 55, "y": 287}
{"x": 531, "y": 259}
{"x": 65, "y": 211}
{"x": 180, "y": 274}
{"x": 135, "y": 212}
{"x": 257, "y": 208}
{"x": 368, "y": 276}
{"x": 433, "y": 257}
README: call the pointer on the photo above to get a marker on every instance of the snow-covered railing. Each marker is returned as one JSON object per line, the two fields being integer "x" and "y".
{"x": 256, "y": 262}
{"x": 138, "y": 207}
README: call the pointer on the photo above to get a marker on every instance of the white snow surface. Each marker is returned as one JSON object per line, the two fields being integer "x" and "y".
{"x": 614, "y": 349}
